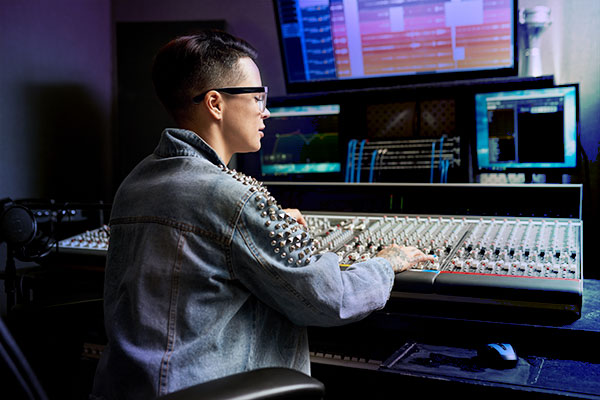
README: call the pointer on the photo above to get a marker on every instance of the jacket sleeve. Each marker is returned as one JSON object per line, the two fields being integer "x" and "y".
{"x": 273, "y": 256}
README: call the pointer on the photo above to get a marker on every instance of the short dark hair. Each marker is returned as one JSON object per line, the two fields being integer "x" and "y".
{"x": 190, "y": 65}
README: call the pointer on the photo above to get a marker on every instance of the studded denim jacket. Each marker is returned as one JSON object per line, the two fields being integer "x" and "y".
{"x": 207, "y": 276}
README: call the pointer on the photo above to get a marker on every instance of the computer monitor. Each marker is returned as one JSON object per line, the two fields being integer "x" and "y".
{"x": 527, "y": 130}
{"x": 329, "y": 45}
{"x": 301, "y": 140}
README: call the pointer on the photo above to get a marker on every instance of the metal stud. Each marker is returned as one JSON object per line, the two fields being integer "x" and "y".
{"x": 290, "y": 260}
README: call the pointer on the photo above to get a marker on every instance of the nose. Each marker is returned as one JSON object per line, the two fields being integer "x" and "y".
{"x": 266, "y": 114}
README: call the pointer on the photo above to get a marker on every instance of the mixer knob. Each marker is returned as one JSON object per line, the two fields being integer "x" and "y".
{"x": 542, "y": 254}
{"x": 473, "y": 265}
{"x": 557, "y": 254}
{"x": 518, "y": 266}
{"x": 554, "y": 269}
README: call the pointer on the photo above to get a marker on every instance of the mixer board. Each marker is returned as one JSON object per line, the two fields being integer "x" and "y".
{"x": 94, "y": 242}
{"x": 526, "y": 262}
{"x": 533, "y": 262}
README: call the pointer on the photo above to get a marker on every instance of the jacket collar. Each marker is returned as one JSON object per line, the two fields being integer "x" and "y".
{"x": 182, "y": 142}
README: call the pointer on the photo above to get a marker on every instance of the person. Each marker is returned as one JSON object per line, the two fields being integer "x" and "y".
{"x": 206, "y": 274}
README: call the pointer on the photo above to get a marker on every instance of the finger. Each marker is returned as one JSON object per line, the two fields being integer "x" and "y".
{"x": 297, "y": 215}
{"x": 301, "y": 220}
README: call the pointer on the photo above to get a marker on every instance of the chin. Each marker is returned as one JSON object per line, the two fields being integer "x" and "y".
{"x": 252, "y": 149}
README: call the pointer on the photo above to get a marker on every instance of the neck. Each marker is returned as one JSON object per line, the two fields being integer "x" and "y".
{"x": 213, "y": 137}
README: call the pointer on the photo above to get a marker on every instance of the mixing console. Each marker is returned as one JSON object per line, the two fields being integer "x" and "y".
{"x": 506, "y": 246}
{"x": 94, "y": 242}
{"x": 528, "y": 262}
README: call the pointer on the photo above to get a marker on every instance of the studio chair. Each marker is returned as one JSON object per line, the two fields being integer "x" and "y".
{"x": 260, "y": 384}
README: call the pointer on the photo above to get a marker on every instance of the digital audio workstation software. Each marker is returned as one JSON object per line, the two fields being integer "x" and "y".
{"x": 527, "y": 129}
{"x": 357, "y": 39}
{"x": 301, "y": 140}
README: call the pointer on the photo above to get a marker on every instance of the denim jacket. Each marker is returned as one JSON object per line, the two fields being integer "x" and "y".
{"x": 207, "y": 276}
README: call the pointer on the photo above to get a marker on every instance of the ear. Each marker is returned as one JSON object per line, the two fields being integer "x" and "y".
{"x": 214, "y": 104}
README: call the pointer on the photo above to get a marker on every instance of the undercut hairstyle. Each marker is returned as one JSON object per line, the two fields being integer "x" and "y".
{"x": 190, "y": 65}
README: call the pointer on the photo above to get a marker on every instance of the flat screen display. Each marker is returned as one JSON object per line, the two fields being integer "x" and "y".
{"x": 527, "y": 129}
{"x": 344, "y": 44}
{"x": 301, "y": 140}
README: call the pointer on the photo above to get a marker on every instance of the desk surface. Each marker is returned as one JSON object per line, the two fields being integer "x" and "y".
{"x": 557, "y": 358}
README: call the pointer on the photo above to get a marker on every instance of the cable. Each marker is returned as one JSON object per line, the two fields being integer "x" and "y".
{"x": 19, "y": 366}
{"x": 432, "y": 162}
{"x": 373, "y": 157}
{"x": 349, "y": 157}
{"x": 380, "y": 164}
{"x": 441, "y": 166}
{"x": 359, "y": 161}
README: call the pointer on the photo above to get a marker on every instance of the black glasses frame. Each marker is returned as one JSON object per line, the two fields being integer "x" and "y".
{"x": 233, "y": 90}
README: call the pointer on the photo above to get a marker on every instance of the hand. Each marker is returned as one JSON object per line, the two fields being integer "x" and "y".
{"x": 297, "y": 215}
{"x": 403, "y": 258}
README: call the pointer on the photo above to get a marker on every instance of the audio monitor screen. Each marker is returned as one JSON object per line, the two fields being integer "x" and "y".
{"x": 527, "y": 129}
{"x": 341, "y": 44}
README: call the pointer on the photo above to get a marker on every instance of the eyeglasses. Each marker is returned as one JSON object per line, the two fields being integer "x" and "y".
{"x": 260, "y": 100}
